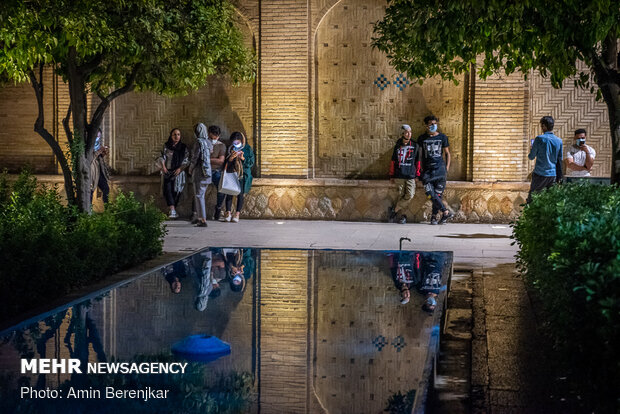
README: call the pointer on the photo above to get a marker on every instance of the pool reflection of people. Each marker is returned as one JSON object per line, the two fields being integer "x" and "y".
{"x": 419, "y": 271}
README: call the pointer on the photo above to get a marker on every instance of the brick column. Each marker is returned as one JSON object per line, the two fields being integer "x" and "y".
{"x": 283, "y": 331}
{"x": 283, "y": 88}
{"x": 500, "y": 132}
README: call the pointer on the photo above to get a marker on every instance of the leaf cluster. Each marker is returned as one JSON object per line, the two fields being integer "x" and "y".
{"x": 167, "y": 46}
{"x": 444, "y": 38}
{"x": 569, "y": 252}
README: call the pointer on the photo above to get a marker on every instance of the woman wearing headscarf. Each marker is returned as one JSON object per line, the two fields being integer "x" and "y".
{"x": 174, "y": 159}
{"x": 200, "y": 169}
{"x": 239, "y": 159}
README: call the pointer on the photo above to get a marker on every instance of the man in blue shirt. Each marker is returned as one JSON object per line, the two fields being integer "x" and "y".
{"x": 547, "y": 149}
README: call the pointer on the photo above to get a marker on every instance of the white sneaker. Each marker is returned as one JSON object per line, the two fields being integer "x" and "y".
{"x": 228, "y": 217}
{"x": 235, "y": 219}
{"x": 173, "y": 214}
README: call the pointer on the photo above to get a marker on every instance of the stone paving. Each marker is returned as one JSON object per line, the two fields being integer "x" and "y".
{"x": 497, "y": 358}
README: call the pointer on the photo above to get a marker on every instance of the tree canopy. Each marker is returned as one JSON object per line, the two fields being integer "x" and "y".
{"x": 445, "y": 38}
{"x": 110, "y": 47}
{"x": 172, "y": 46}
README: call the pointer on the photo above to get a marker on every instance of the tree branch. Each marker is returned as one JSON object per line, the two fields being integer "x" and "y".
{"x": 610, "y": 51}
{"x": 87, "y": 67}
{"x": 65, "y": 124}
{"x": 105, "y": 100}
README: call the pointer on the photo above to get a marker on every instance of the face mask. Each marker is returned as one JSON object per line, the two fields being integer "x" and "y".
{"x": 237, "y": 279}
{"x": 237, "y": 145}
{"x": 580, "y": 142}
{"x": 433, "y": 128}
{"x": 214, "y": 141}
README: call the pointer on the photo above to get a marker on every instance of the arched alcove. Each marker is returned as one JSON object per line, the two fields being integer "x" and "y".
{"x": 361, "y": 101}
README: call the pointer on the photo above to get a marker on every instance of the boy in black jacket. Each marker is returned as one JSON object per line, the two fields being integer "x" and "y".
{"x": 404, "y": 168}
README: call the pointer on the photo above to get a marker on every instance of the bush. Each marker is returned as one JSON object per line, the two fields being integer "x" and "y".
{"x": 569, "y": 240}
{"x": 48, "y": 249}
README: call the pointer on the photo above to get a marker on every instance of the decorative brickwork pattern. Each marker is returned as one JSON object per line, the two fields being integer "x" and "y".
{"x": 572, "y": 108}
{"x": 500, "y": 129}
{"x": 284, "y": 331}
{"x": 362, "y": 101}
{"x": 349, "y": 200}
{"x": 284, "y": 88}
{"x": 360, "y": 359}
{"x": 142, "y": 121}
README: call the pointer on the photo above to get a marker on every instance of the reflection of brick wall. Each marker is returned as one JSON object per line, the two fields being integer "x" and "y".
{"x": 283, "y": 331}
{"x": 368, "y": 346}
{"x": 146, "y": 317}
{"x": 362, "y": 101}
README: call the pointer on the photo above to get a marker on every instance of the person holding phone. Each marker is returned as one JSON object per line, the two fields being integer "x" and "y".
{"x": 579, "y": 157}
{"x": 239, "y": 159}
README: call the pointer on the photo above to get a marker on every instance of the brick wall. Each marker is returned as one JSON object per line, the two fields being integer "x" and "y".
{"x": 18, "y": 111}
{"x": 500, "y": 130}
{"x": 316, "y": 111}
{"x": 283, "y": 88}
{"x": 572, "y": 108}
{"x": 362, "y": 101}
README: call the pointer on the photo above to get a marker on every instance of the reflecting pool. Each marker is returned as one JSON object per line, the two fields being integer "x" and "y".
{"x": 308, "y": 331}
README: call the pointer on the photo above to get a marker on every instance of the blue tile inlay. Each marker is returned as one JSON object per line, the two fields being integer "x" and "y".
{"x": 399, "y": 343}
{"x": 380, "y": 342}
{"x": 381, "y": 82}
{"x": 401, "y": 82}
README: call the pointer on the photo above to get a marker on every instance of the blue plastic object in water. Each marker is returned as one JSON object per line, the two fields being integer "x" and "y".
{"x": 201, "y": 348}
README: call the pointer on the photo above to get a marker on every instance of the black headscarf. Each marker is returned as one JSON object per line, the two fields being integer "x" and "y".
{"x": 178, "y": 153}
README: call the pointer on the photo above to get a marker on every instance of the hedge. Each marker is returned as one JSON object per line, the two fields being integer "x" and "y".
{"x": 569, "y": 240}
{"x": 47, "y": 249}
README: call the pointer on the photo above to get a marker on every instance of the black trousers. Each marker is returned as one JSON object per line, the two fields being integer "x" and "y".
{"x": 240, "y": 197}
{"x": 434, "y": 188}
{"x": 538, "y": 184}
{"x": 172, "y": 197}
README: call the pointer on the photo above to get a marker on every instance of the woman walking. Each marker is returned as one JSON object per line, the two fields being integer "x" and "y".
{"x": 200, "y": 169}
{"x": 239, "y": 159}
{"x": 174, "y": 159}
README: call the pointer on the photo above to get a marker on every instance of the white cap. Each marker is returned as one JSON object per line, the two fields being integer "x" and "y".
{"x": 406, "y": 127}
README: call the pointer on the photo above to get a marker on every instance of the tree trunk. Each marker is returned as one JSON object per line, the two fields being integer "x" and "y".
{"x": 82, "y": 139}
{"x": 39, "y": 127}
{"x": 611, "y": 93}
{"x": 606, "y": 70}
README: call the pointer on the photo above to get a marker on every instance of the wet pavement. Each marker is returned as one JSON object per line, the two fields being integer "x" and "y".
{"x": 493, "y": 361}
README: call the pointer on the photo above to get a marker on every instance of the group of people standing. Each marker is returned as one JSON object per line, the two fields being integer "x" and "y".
{"x": 422, "y": 159}
{"x": 547, "y": 150}
{"x": 205, "y": 163}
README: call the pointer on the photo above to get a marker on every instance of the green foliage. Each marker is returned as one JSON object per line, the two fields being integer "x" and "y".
{"x": 173, "y": 45}
{"x": 443, "y": 38}
{"x": 47, "y": 249}
{"x": 569, "y": 240}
